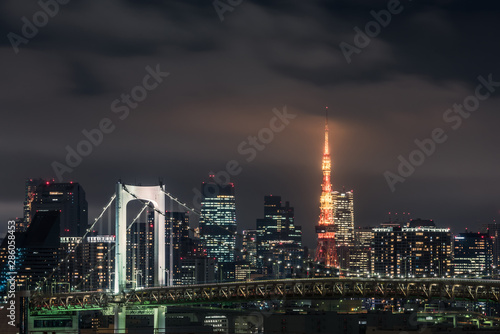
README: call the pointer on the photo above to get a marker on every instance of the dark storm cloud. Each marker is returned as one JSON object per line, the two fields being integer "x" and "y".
{"x": 226, "y": 77}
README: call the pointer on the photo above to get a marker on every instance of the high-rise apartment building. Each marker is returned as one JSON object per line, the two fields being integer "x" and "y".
{"x": 98, "y": 263}
{"x": 419, "y": 249}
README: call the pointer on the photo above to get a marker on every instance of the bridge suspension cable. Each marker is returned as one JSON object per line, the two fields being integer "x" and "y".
{"x": 226, "y": 244}
{"x": 148, "y": 204}
{"x": 41, "y": 285}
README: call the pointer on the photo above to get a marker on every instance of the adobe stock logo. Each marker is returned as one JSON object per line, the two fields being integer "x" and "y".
{"x": 372, "y": 29}
{"x": 248, "y": 148}
{"x": 49, "y": 9}
{"x": 454, "y": 118}
{"x": 121, "y": 107}
{"x": 223, "y": 6}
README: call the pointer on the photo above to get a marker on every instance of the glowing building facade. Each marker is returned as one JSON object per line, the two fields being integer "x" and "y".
{"x": 419, "y": 249}
{"x": 218, "y": 221}
{"x": 344, "y": 218}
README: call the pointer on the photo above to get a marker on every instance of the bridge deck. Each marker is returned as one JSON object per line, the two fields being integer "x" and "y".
{"x": 310, "y": 288}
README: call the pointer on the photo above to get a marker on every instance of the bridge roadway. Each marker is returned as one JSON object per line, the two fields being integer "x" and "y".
{"x": 304, "y": 288}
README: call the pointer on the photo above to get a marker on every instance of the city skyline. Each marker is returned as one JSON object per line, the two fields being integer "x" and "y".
{"x": 222, "y": 87}
{"x": 168, "y": 167}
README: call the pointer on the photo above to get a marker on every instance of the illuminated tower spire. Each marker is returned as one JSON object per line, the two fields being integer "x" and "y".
{"x": 326, "y": 186}
{"x": 326, "y": 251}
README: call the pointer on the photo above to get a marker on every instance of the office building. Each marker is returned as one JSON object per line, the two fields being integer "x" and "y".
{"x": 343, "y": 206}
{"x": 473, "y": 254}
{"x": 218, "y": 221}
{"x": 183, "y": 244}
{"x": 68, "y": 198}
{"x": 275, "y": 232}
{"x": 343, "y": 213}
{"x": 360, "y": 262}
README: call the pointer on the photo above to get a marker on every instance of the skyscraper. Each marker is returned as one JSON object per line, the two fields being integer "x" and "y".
{"x": 326, "y": 251}
{"x": 343, "y": 213}
{"x": 360, "y": 256}
{"x": 68, "y": 198}
{"x": 473, "y": 254}
{"x": 183, "y": 245}
{"x": 343, "y": 204}
{"x": 36, "y": 252}
{"x": 218, "y": 220}
{"x": 278, "y": 236}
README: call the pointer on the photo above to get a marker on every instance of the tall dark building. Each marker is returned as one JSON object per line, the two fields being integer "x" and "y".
{"x": 218, "y": 221}
{"x": 21, "y": 225}
{"x": 278, "y": 237}
{"x": 36, "y": 251}
{"x": 183, "y": 245}
{"x": 473, "y": 254}
{"x": 277, "y": 225}
{"x": 68, "y": 198}
{"x": 249, "y": 249}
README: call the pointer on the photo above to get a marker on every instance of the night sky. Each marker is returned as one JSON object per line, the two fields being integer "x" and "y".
{"x": 226, "y": 78}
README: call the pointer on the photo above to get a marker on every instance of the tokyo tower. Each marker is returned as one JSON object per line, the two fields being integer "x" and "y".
{"x": 326, "y": 251}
